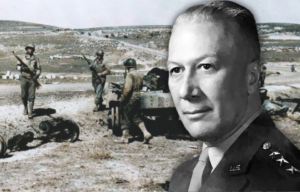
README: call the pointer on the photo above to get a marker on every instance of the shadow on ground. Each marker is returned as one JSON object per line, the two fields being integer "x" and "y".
{"x": 44, "y": 112}
{"x": 170, "y": 128}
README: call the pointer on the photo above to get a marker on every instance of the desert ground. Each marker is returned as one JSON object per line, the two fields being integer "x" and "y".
{"x": 95, "y": 162}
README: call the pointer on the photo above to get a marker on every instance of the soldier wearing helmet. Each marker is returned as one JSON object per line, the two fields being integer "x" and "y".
{"x": 130, "y": 102}
{"x": 99, "y": 72}
{"x": 30, "y": 72}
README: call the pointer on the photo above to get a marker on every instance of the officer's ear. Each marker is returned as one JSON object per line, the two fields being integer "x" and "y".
{"x": 253, "y": 75}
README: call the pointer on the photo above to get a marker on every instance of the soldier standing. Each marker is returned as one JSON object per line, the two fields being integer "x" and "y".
{"x": 99, "y": 72}
{"x": 263, "y": 70}
{"x": 30, "y": 70}
{"x": 293, "y": 68}
{"x": 130, "y": 102}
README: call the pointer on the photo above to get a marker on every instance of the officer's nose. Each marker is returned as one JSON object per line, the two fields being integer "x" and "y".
{"x": 189, "y": 88}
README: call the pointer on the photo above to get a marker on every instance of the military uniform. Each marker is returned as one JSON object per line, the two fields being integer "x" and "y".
{"x": 263, "y": 72}
{"x": 98, "y": 80}
{"x": 30, "y": 70}
{"x": 130, "y": 99}
{"x": 261, "y": 159}
{"x": 293, "y": 69}
{"x": 27, "y": 76}
{"x": 130, "y": 102}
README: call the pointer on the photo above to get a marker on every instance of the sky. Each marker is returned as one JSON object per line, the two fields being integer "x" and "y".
{"x": 104, "y": 13}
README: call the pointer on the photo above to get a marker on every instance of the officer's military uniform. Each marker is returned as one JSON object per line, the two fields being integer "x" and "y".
{"x": 29, "y": 74}
{"x": 261, "y": 159}
{"x": 99, "y": 72}
{"x": 130, "y": 101}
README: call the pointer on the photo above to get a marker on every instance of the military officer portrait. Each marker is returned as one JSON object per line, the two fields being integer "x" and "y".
{"x": 99, "y": 72}
{"x": 130, "y": 103}
{"x": 30, "y": 70}
{"x": 214, "y": 66}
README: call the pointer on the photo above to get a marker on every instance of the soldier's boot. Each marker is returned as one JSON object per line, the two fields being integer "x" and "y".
{"x": 30, "y": 110}
{"x": 125, "y": 137}
{"x": 96, "y": 108}
{"x": 147, "y": 135}
{"x": 25, "y": 111}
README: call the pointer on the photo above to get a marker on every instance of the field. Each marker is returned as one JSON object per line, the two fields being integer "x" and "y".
{"x": 95, "y": 162}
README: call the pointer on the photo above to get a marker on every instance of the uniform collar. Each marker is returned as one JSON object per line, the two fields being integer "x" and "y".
{"x": 236, "y": 160}
{"x": 98, "y": 61}
{"x": 27, "y": 56}
{"x": 217, "y": 152}
{"x": 132, "y": 69}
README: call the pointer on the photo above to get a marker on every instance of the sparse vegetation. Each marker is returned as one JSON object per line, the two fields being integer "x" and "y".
{"x": 95, "y": 163}
{"x": 100, "y": 154}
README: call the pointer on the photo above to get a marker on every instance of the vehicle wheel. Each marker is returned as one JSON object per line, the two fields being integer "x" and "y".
{"x": 69, "y": 131}
{"x": 117, "y": 117}
{"x": 113, "y": 117}
{"x": 73, "y": 130}
{"x": 3, "y": 146}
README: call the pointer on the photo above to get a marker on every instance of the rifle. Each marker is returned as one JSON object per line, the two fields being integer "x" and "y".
{"x": 92, "y": 68}
{"x": 36, "y": 83}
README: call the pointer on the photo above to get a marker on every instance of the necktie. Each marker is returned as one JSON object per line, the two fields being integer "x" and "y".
{"x": 201, "y": 171}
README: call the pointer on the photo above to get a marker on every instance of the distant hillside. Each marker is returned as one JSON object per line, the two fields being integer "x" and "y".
{"x": 266, "y": 28}
{"x": 23, "y": 26}
{"x": 128, "y": 27}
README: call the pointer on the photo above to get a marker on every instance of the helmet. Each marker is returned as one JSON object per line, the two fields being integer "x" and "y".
{"x": 101, "y": 52}
{"x": 129, "y": 63}
{"x": 32, "y": 46}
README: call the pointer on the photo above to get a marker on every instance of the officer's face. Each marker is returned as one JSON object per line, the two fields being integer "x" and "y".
{"x": 207, "y": 78}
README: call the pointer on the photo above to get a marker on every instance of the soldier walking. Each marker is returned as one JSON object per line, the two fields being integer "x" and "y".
{"x": 130, "y": 102}
{"x": 99, "y": 72}
{"x": 30, "y": 70}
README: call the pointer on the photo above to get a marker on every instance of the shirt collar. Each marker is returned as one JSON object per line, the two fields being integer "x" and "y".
{"x": 216, "y": 153}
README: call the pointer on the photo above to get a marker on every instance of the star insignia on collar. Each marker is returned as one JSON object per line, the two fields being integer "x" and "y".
{"x": 273, "y": 155}
{"x": 282, "y": 160}
{"x": 293, "y": 169}
{"x": 267, "y": 146}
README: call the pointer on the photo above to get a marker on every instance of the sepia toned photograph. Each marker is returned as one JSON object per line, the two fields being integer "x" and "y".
{"x": 149, "y": 96}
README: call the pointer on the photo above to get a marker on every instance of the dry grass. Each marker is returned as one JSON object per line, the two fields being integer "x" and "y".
{"x": 100, "y": 154}
{"x": 118, "y": 180}
{"x": 146, "y": 184}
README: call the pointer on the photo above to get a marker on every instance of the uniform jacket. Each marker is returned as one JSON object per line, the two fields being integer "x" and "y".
{"x": 32, "y": 67}
{"x": 261, "y": 159}
{"x": 133, "y": 84}
{"x": 99, "y": 67}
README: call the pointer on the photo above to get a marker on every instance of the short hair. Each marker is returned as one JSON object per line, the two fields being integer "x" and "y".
{"x": 225, "y": 10}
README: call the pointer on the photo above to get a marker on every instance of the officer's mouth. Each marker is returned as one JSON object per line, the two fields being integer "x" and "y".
{"x": 196, "y": 114}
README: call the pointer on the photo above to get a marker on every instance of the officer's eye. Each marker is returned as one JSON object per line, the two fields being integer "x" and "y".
{"x": 175, "y": 70}
{"x": 205, "y": 66}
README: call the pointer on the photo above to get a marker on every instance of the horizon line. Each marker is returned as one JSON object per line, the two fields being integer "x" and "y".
{"x": 125, "y": 25}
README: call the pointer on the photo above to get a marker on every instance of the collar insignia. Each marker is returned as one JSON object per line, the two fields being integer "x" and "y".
{"x": 282, "y": 160}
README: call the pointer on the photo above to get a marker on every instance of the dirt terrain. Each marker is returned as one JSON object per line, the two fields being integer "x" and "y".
{"x": 94, "y": 162}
